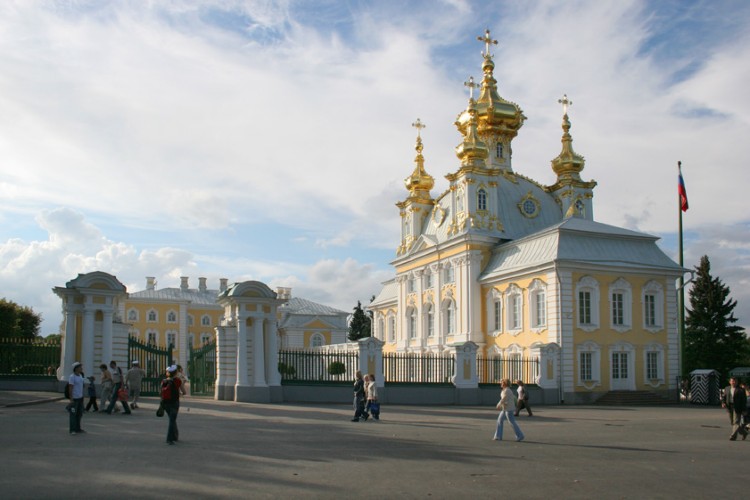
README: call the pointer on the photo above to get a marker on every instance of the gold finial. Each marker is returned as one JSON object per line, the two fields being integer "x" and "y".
{"x": 487, "y": 39}
{"x": 419, "y": 126}
{"x": 471, "y": 86}
{"x": 566, "y": 103}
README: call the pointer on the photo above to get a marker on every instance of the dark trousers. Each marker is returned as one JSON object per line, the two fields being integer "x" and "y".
{"x": 359, "y": 407}
{"x": 76, "y": 412}
{"x": 92, "y": 402}
{"x": 172, "y": 409}
{"x": 736, "y": 416}
{"x": 115, "y": 397}
{"x": 523, "y": 403}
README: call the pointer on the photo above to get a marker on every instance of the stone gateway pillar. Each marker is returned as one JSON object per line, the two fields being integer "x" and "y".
{"x": 246, "y": 344}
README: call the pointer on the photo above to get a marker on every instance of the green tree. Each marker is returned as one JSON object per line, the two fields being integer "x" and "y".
{"x": 359, "y": 326}
{"x": 18, "y": 321}
{"x": 712, "y": 340}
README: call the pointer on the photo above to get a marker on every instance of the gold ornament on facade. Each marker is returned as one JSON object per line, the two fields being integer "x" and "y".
{"x": 419, "y": 183}
{"x": 568, "y": 164}
{"x": 529, "y": 206}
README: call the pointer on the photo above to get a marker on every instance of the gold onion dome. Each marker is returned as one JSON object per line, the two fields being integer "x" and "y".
{"x": 472, "y": 151}
{"x": 495, "y": 115}
{"x": 419, "y": 182}
{"x": 568, "y": 163}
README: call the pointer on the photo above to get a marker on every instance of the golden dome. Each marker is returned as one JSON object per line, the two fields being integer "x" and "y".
{"x": 419, "y": 182}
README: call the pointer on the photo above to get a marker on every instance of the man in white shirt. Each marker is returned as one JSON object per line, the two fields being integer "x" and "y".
{"x": 75, "y": 408}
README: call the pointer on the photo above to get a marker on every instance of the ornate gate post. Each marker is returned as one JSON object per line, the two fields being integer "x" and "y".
{"x": 465, "y": 377}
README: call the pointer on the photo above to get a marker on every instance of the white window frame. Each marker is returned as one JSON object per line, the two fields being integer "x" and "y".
{"x": 391, "y": 322}
{"x": 172, "y": 338}
{"x": 429, "y": 280}
{"x": 590, "y": 285}
{"x": 594, "y": 350}
{"x": 172, "y": 316}
{"x": 621, "y": 287}
{"x": 656, "y": 290}
{"x": 658, "y": 351}
{"x": 205, "y": 338}
{"x": 411, "y": 322}
{"x": 538, "y": 305}
{"x": 448, "y": 312}
{"x": 133, "y": 314}
{"x": 152, "y": 313}
{"x": 317, "y": 340}
{"x": 495, "y": 309}
{"x": 450, "y": 273}
{"x": 514, "y": 309}
{"x": 429, "y": 319}
{"x": 206, "y": 320}
{"x": 152, "y": 337}
{"x": 381, "y": 334}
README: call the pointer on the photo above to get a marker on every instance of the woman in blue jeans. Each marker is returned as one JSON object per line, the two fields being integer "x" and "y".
{"x": 507, "y": 406}
{"x": 170, "y": 401}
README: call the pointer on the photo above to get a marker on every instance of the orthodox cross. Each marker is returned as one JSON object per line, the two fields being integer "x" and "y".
{"x": 419, "y": 126}
{"x": 566, "y": 103}
{"x": 471, "y": 86}
{"x": 487, "y": 39}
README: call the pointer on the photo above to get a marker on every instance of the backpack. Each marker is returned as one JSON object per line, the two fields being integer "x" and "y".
{"x": 167, "y": 390}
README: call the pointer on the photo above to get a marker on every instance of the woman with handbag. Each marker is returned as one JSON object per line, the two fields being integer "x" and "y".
{"x": 507, "y": 406}
{"x": 107, "y": 385}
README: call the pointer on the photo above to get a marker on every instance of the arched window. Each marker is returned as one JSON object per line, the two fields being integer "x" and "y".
{"x": 481, "y": 199}
{"x": 499, "y": 150}
{"x": 450, "y": 276}
{"x": 172, "y": 339}
{"x": 206, "y": 320}
{"x": 152, "y": 316}
{"x": 429, "y": 320}
{"x": 495, "y": 311}
{"x": 391, "y": 327}
{"x": 653, "y": 306}
{"x": 515, "y": 309}
{"x": 381, "y": 329}
{"x": 449, "y": 316}
{"x": 171, "y": 317}
{"x": 132, "y": 315}
{"x": 317, "y": 340}
{"x": 538, "y": 304}
{"x": 411, "y": 318}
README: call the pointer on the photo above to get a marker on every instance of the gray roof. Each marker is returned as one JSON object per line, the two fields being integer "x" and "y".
{"x": 195, "y": 297}
{"x": 580, "y": 241}
{"x": 297, "y": 305}
{"x": 388, "y": 294}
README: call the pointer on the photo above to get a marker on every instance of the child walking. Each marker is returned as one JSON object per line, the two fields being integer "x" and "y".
{"x": 373, "y": 406}
{"x": 92, "y": 395}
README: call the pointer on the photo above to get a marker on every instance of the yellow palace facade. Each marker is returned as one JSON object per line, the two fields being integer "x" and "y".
{"x": 522, "y": 269}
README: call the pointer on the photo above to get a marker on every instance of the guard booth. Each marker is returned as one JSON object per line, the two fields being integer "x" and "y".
{"x": 705, "y": 388}
{"x": 742, "y": 373}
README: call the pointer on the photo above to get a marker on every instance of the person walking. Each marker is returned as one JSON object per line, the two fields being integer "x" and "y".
{"x": 183, "y": 380}
{"x": 371, "y": 390}
{"x": 134, "y": 378}
{"x": 92, "y": 395}
{"x": 117, "y": 380}
{"x": 523, "y": 399}
{"x": 507, "y": 407}
{"x": 170, "y": 401}
{"x": 359, "y": 398}
{"x": 106, "y": 386}
{"x": 75, "y": 390}
{"x": 735, "y": 402}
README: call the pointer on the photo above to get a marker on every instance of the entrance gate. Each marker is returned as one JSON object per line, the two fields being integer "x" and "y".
{"x": 154, "y": 360}
{"x": 202, "y": 369}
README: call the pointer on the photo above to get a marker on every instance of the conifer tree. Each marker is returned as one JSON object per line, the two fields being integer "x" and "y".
{"x": 359, "y": 326}
{"x": 712, "y": 340}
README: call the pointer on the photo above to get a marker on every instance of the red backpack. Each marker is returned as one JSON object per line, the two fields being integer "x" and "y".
{"x": 168, "y": 390}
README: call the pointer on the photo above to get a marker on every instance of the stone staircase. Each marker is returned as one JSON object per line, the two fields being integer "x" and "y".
{"x": 633, "y": 398}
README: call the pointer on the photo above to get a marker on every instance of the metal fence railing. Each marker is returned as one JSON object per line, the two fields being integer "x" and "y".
{"x": 493, "y": 370}
{"x": 317, "y": 366}
{"x": 418, "y": 368}
{"x": 21, "y": 357}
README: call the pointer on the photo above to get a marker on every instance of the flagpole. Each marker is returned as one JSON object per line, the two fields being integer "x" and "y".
{"x": 681, "y": 294}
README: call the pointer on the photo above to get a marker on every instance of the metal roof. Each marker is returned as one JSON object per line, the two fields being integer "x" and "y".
{"x": 195, "y": 297}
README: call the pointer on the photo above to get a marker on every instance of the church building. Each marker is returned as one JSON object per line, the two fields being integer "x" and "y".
{"x": 518, "y": 267}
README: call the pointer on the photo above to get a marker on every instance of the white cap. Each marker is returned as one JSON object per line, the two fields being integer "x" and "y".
{"x": 76, "y": 364}
{"x": 135, "y": 362}
{"x": 172, "y": 369}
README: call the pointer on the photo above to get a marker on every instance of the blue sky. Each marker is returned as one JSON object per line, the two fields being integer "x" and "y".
{"x": 270, "y": 140}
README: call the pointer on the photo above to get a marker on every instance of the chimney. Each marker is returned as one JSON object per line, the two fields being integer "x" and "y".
{"x": 223, "y": 285}
{"x": 283, "y": 293}
{"x": 150, "y": 282}
{"x": 184, "y": 282}
{"x": 202, "y": 284}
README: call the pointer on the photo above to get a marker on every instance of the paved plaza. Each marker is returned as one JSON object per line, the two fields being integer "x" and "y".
{"x": 230, "y": 450}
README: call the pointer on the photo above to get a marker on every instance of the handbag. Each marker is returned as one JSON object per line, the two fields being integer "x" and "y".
{"x": 160, "y": 410}
{"x": 122, "y": 394}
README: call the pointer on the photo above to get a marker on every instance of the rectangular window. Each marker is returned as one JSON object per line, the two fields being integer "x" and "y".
{"x": 649, "y": 312}
{"x": 618, "y": 309}
{"x": 515, "y": 321}
{"x": 585, "y": 366}
{"x": 584, "y": 308}
{"x": 498, "y": 315}
{"x": 541, "y": 309}
{"x": 151, "y": 338}
{"x": 171, "y": 339}
{"x": 430, "y": 324}
{"x": 428, "y": 281}
{"x": 449, "y": 275}
{"x": 652, "y": 365}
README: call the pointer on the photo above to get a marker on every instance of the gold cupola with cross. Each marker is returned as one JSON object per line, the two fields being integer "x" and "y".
{"x": 418, "y": 204}
{"x": 497, "y": 119}
{"x": 572, "y": 193}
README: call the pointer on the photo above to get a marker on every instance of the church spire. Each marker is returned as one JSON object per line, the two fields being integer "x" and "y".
{"x": 472, "y": 151}
{"x": 419, "y": 182}
{"x": 568, "y": 164}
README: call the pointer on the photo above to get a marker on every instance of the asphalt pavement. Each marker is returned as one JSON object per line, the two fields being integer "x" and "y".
{"x": 242, "y": 450}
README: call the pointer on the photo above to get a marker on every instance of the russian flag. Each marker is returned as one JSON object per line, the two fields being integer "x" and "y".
{"x": 681, "y": 189}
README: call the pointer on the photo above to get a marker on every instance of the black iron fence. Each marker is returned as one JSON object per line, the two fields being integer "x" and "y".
{"x": 153, "y": 359}
{"x": 202, "y": 369}
{"x": 493, "y": 370}
{"x": 21, "y": 357}
{"x": 317, "y": 366}
{"x": 418, "y": 368}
